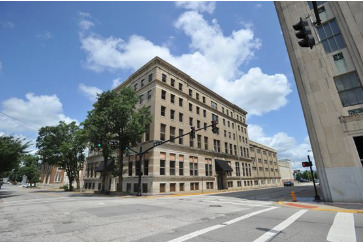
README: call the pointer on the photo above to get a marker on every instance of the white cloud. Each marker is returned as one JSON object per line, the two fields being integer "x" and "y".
{"x": 85, "y": 25}
{"x": 208, "y": 7}
{"x": 90, "y": 92}
{"x": 36, "y": 111}
{"x": 214, "y": 59}
{"x": 285, "y": 145}
{"x": 115, "y": 83}
{"x": 8, "y": 24}
{"x": 46, "y": 35}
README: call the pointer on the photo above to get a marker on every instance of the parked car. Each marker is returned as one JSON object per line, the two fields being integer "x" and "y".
{"x": 303, "y": 180}
{"x": 288, "y": 184}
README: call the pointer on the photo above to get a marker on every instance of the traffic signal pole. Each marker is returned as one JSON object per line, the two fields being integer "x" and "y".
{"x": 317, "y": 198}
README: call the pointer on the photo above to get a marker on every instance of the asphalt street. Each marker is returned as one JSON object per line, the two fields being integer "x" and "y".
{"x": 254, "y": 215}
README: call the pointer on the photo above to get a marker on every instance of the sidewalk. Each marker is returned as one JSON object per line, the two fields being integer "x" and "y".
{"x": 309, "y": 203}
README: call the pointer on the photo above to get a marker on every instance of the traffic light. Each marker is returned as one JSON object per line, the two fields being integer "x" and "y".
{"x": 214, "y": 127}
{"x": 304, "y": 34}
{"x": 99, "y": 143}
{"x": 192, "y": 133}
{"x": 307, "y": 164}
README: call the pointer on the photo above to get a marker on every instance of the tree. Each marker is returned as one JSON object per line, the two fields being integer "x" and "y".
{"x": 115, "y": 117}
{"x": 31, "y": 169}
{"x": 11, "y": 150}
{"x": 63, "y": 146}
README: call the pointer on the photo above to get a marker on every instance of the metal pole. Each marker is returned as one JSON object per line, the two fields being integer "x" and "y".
{"x": 317, "y": 198}
{"x": 140, "y": 173}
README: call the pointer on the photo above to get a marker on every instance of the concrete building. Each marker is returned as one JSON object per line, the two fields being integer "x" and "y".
{"x": 329, "y": 80}
{"x": 210, "y": 161}
{"x": 286, "y": 171}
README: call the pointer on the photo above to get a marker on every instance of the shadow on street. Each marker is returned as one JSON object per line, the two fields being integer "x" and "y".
{"x": 6, "y": 194}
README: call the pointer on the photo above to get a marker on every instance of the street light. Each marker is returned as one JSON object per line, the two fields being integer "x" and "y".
{"x": 317, "y": 198}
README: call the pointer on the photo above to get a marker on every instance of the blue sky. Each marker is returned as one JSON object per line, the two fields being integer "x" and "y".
{"x": 55, "y": 57}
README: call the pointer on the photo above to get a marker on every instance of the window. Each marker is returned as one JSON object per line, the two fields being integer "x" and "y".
{"x": 199, "y": 141}
{"x": 181, "y": 187}
{"x": 172, "y": 165}
{"x": 198, "y": 124}
{"x": 193, "y": 165}
{"x": 135, "y": 87}
{"x": 198, "y": 109}
{"x": 225, "y": 133}
{"x": 224, "y": 122}
{"x": 146, "y": 164}
{"x": 243, "y": 169}
{"x": 204, "y": 113}
{"x": 349, "y": 89}
{"x": 209, "y": 185}
{"x": 180, "y": 117}
{"x": 147, "y": 132}
{"x": 234, "y": 136}
{"x": 172, "y": 98}
{"x": 162, "y": 113}
{"x": 181, "y": 102}
{"x": 205, "y": 126}
{"x": 191, "y": 122}
{"x": 172, "y": 82}
{"x": 205, "y": 142}
{"x": 190, "y": 107}
{"x": 142, "y": 82}
{"x": 222, "y": 109}
{"x": 226, "y": 147}
{"x": 197, "y": 96}
{"x": 217, "y": 145}
{"x": 208, "y": 167}
{"x": 203, "y": 99}
{"x": 190, "y": 92}
{"x": 230, "y": 149}
{"x": 181, "y": 165}
{"x": 230, "y": 184}
{"x": 163, "y": 77}
{"x": 172, "y": 134}
{"x": 162, "y": 131}
{"x": 180, "y": 87}
{"x": 228, "y": 123}
{"x": 235, "y": 150}
{"x": 215, "y": 117}
{"x": 194, "y": 186}
{"x": 150, "y": 77}
{"x": 213, "y": 104}
{"x": 172, "y": 187}
{"x": 238, "y": 172}
{"x": 317, "y": 3}
{"x": 163, "y": 94}
{"x": 172, "y": 114}
{"x": 162, "y": 163}
{"x": 149, "y": 95}
{"x": 232, "y": 125}
{"x": 330, "y": 36}
{"x": 162, "y": 187}
{"x": 191, "y": 141}
{"x": 180, "y": 138}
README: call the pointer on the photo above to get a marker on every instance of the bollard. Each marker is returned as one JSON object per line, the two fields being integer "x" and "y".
{"x": 293, "y": 196}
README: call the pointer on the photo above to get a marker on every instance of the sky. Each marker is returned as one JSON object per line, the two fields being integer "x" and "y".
{"x": 56, "y": 56}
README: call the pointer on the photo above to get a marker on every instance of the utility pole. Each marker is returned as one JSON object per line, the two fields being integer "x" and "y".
{"x": 317, "y": 198}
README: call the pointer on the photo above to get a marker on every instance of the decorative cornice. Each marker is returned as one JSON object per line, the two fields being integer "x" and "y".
{"x": 351, "y": 118}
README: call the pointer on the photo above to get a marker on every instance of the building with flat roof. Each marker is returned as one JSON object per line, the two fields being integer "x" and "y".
{"x": 286, "y": 170}
{"x": 329, "y": 80}
{"x": 210, "y": 161}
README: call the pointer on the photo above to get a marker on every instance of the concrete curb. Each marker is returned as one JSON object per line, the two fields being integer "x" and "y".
{"x": 318, "y": 207}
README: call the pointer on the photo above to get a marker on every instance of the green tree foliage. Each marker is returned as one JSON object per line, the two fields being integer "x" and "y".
{"x": 31, "y": 169}
{"x": 63, "y": 146}
{"x": 115, "y": 117}
{"x": 11, "y": 151}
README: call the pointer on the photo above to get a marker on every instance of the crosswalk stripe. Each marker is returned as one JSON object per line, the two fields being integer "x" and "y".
{"x": 342, "y": 229}
{"x": 206, "y": 230}
{"x": 277, "y": 229}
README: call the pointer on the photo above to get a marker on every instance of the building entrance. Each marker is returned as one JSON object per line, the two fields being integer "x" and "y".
{"x": 359, "y": 145}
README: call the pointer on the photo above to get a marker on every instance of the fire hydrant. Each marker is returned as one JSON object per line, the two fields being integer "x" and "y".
{"x": 293, "y": 196}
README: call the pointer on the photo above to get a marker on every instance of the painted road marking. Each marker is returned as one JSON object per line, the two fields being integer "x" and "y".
{"x": 206, "y": 230}
{"x": 277, "y": 229}
{"x": 342, "y": 228}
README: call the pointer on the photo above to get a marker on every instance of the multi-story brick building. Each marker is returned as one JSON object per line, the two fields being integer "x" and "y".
{"x": 208, "y": 162}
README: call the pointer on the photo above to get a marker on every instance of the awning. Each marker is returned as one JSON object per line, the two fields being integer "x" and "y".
{"x": 110, "y": 165}
{"x": 222, "y": 165}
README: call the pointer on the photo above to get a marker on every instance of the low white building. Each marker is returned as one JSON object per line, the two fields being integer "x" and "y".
{"x": 286, "y": 170}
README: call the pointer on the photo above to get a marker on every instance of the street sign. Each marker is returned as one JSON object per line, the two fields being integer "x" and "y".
{"x": 159, "y": 142}
{"x": 112, "y": 142}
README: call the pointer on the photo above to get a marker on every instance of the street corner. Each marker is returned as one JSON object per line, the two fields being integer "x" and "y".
{"x": 321, "y": 206}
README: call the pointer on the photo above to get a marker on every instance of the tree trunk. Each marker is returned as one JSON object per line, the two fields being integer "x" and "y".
{"x": 70, "y": 178}
{"x": 121, "y": 167}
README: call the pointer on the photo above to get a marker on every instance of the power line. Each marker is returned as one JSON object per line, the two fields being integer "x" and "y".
{"x": 18, "y": 120}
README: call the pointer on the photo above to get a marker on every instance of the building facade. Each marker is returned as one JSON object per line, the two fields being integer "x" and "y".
{"x": 286, "y": 171}
{"x": 210, "y": 161}
{"x": 329, "y": 80}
